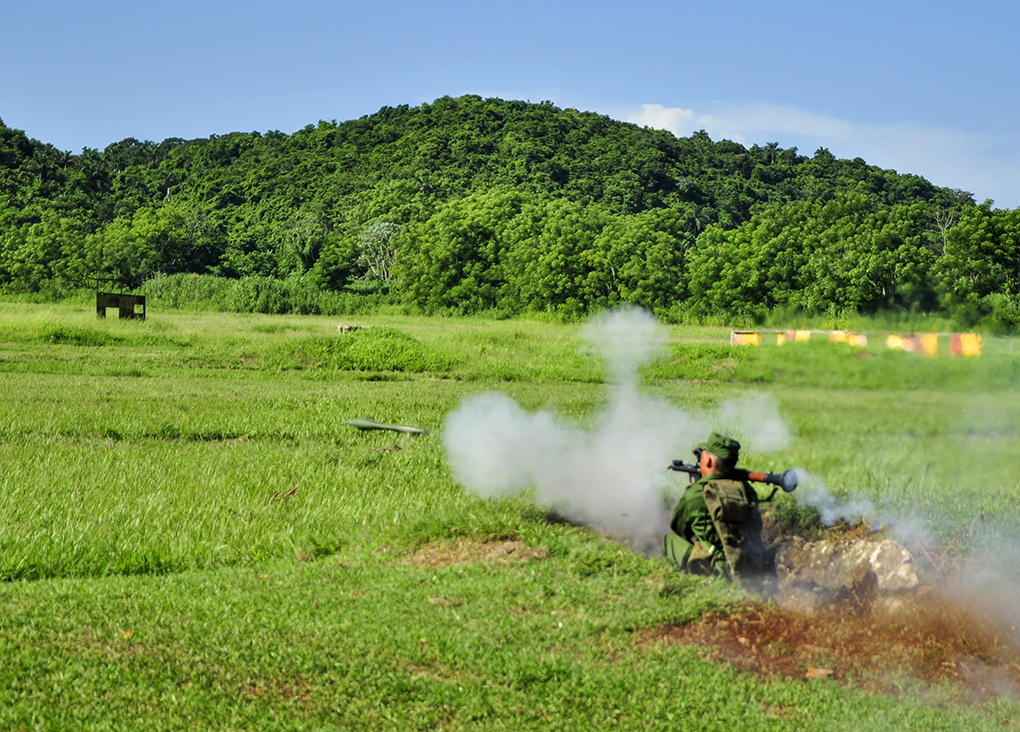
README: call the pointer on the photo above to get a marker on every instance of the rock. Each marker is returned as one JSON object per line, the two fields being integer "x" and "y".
{"x": 857, "y": 572}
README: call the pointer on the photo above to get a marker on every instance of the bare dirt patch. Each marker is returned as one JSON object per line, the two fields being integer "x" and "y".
{"x": 280, "y": 689}
{"x": 472, "y": 551}
{"x": 930, "y": 641}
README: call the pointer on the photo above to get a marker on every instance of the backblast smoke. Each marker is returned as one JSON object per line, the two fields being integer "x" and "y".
{"x": 610, "y": 478}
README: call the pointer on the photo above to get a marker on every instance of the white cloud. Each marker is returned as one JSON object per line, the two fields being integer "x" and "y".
{"x": 987, "y": 165}
{"x": 667, "y": 118}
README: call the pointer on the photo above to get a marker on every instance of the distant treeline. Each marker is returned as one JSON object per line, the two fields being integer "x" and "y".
{"x": 474, "y": 204}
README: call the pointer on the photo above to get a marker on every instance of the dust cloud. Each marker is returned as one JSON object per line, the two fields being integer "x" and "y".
{"x": 978, "y": 587}
{"x": 612, "y": 477}
{"x": 987, "y": 585}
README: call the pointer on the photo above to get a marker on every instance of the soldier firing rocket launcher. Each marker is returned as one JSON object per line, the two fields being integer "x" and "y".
{"x": 787, "y": 480}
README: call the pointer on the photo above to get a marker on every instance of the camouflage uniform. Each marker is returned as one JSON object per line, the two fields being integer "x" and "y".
{"x": 716, "y": 526}
{"x": 693, "y": 544}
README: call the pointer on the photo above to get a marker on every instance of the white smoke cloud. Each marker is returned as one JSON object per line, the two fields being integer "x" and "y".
{"x": 811, "y": 491}
{"x": 754, "y": 418}
{"x": 627, "y": 338}
{"x": 910, "y": 530}
{"x": 611, "y": 477}
{"x": 988, "y": 585}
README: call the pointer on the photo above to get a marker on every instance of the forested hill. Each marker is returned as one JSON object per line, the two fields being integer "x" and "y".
{"x": 474, "y": 204}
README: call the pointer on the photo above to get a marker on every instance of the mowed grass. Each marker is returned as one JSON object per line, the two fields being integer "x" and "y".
{"x": 195, "y": 539}
{"x": 357, "y": 642}
{"x": 108, "y": 475}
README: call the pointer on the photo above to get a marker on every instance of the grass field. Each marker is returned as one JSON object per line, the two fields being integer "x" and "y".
{"x": 192, "y": 538}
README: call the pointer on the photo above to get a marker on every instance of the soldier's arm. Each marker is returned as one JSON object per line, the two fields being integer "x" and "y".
{"x": 704, "y": 531}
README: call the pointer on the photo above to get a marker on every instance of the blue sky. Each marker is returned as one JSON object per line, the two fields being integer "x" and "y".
{"x": 921, "y": 87}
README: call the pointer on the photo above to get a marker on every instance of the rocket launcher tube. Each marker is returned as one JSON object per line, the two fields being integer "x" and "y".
{"x": 787, "y": 480}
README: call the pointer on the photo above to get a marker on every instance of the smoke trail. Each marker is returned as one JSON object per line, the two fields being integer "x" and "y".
{"x": 910, "y": 530}
{"x": 627, "y": 338}
{"x": 812, "y": 492}
{"x": 611, "y": 477}
{"x": 755, "y": 418}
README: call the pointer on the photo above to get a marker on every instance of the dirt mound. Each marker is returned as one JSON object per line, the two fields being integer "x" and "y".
{"x": 471, "y": 551}
{"x": 864, "y": 573}
{"x": 931, "y": 641}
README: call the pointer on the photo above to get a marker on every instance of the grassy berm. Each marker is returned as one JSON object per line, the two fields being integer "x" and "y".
{"x": 191, "y": 538}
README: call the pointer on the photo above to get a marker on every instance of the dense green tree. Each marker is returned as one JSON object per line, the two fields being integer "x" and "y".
{"x": 299, "y": 240}
{"x": 455, "y": 258}
{"x": 846, "y": 253}
{"x": 981, "y": 259}
{"x": 131, "y": 249}
{"x": 469, "y": 204}
{"x": 41, "y": 254}
{"x": 549, "y": 261}
{"x": 640, "y": 259}
{"x": 867, "y": 260}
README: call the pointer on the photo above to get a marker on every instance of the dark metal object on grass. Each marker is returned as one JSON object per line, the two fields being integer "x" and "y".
{"x": 371, "y": 424}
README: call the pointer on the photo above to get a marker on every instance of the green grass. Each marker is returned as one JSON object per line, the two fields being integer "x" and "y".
{"x": 354, "y": 642}
{"x": 161, "y": 577}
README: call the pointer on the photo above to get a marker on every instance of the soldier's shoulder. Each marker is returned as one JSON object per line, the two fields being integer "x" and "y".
{"x": 717, "y": 479}
{"x": 693, "y": 494}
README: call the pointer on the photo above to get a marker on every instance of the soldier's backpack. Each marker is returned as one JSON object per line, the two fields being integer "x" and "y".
{"x": 733, "y": 506}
